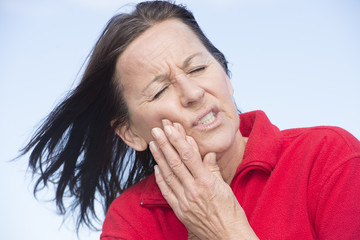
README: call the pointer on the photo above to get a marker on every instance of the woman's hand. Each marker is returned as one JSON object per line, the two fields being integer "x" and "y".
{"x": 194, "y": 187}
{"x": 191, "y": 236}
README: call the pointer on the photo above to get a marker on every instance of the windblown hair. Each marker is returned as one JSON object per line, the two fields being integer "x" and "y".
{"x": 76, "y": 148}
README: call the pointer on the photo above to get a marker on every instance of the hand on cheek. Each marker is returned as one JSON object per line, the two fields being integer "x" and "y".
{"x": 194, "y": 187}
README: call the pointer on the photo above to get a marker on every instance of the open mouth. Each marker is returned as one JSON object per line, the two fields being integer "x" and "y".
{"x": 208, "y": 118}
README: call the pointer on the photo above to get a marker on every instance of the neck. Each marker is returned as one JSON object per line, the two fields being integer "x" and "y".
{"x": 230, "y": 159}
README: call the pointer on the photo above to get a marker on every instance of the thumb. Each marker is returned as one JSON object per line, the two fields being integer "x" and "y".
{"x": 210, "y": 162}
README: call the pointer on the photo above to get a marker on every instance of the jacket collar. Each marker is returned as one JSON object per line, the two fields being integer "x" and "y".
{"x": 151, "y": 195}
{"x": 264, "y": 140}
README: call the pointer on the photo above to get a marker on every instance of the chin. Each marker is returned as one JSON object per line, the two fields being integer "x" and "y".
{"x": 219, "y": 144}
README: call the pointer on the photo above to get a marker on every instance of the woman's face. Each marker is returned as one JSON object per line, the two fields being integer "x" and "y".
{"x": 167, "y": 73}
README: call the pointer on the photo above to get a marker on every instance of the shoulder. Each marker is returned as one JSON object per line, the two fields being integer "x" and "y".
{"x": 122, "y": 216}
{"x": 333, "y": 182}
{"x": 322, "y": 150}
{"x": 325, "y": 136}
{"x": 140, "y": 212}
{"x": 130, "y": 198}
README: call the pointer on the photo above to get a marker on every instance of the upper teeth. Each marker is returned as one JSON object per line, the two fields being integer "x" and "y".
{"x": 208, "y": 118}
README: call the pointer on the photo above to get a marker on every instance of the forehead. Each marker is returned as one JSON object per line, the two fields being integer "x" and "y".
{"x": 165, "y": 42}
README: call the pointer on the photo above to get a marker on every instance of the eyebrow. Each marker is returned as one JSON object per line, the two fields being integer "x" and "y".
{"x": 160, "y": 77}
{"x": 187, "y": 61}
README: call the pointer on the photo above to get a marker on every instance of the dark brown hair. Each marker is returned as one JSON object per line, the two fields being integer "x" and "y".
{"x": 75, "y": 148}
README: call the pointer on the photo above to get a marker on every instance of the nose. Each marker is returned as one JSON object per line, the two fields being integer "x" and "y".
{"x": 190, "y": 92}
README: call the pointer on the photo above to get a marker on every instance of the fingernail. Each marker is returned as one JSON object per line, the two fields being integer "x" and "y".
{"x": 188, "y": 139}
{"x": 177, "y": 126}
{"x": 166, "y": 122}
{"x": 155, "y": 132}
{"x": 156, "y": 169}
{"x": 168, "y": 130}
{"x": 152, "y": 146}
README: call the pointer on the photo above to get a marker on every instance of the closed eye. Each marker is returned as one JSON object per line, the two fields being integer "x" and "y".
{"x": 157, "y": 95}
{"x": 197, "y": 70}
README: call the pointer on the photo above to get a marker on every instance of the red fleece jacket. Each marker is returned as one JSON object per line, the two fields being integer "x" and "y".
{"x": 292, "y": 184}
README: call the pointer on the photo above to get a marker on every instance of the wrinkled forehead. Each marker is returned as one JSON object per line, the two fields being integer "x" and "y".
{"x": 171, "y": 38}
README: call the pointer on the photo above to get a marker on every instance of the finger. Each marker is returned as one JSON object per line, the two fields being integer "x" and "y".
{"x": 192, "y": 236}
{"x": 189, "y": 139}
{"x": 172, "y": 199}
{"x": 165, "y": 190}
{"x": 176, "y": 125}
{"x": 170, "y": 163}
{"x": 188, "y": 155}
{"x": 210, "y": 162}
{"x": 169, "y": 177}
{"x": 166, "y": 122}
{"x": 180, "y": 128}
{"x": 192, "y": 142}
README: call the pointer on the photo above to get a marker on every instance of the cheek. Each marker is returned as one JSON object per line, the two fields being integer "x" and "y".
{"x": 146, "y": 118}
{"x": 219, "y": 82}
{"x": 143, "y": 123}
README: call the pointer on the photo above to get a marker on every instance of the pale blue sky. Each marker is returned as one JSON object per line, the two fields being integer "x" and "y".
{"x": 299, "y": 61}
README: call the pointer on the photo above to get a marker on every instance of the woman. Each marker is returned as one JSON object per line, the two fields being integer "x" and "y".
{"x": 156, "y": 97}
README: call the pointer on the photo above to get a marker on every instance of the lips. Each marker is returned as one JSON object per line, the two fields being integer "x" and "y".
{"x": 206, "y": 116}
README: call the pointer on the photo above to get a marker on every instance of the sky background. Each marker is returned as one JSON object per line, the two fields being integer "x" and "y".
{"x": 299, "y": 61}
